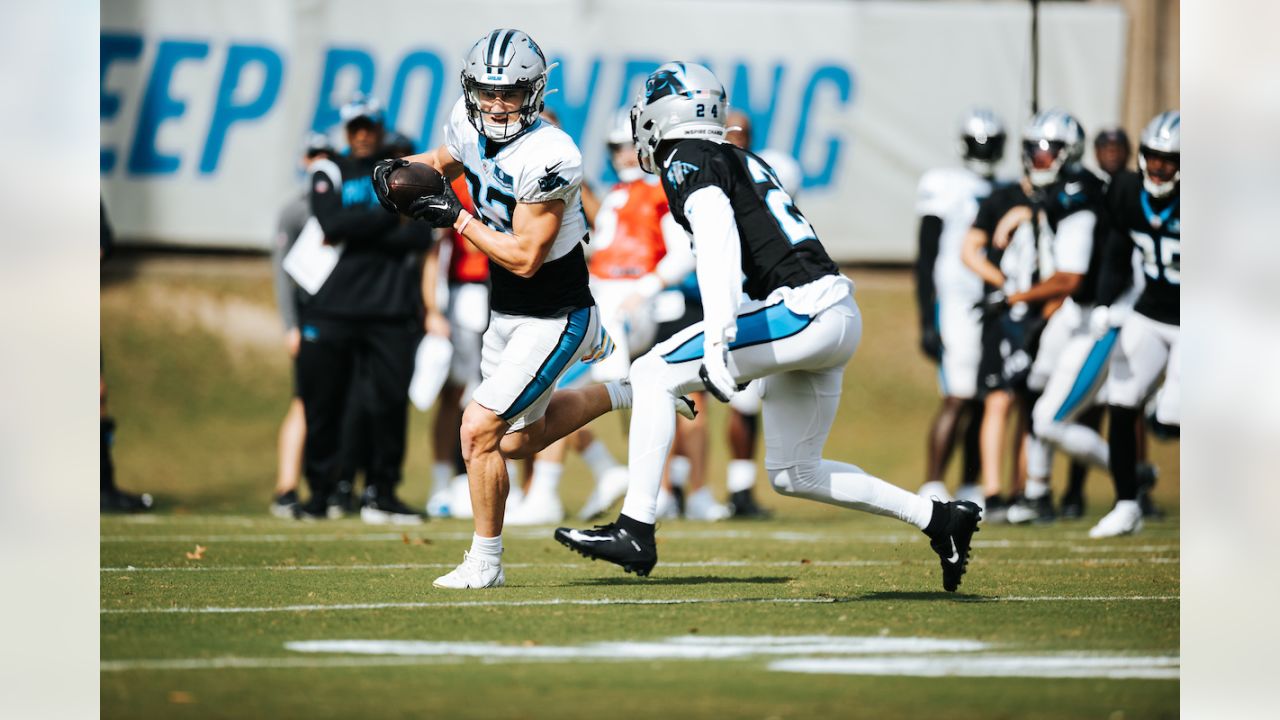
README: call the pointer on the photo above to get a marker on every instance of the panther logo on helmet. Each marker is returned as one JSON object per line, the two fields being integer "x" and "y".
{"x": 680, "y": 100}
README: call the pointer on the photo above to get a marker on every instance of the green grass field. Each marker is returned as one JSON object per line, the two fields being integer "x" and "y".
{"x": 265, "y": 622}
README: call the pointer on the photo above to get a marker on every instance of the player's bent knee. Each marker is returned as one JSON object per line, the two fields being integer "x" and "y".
{"x": 480, "y": 431}
{"x": 799, "y": 479}
{"x": 649, "y": 372}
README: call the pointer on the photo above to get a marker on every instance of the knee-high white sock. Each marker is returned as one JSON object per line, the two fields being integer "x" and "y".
{"x": 599, "y": 459}
{"x": 741, "y": 475}
{"x": 653, "y": 427}
{"x": 837, "y": 483}
{"x": 546, "y": 478}
{"x": 441, "y": 476}
{"x": 1039, "y": 458}
{"x": 678, "y": 471}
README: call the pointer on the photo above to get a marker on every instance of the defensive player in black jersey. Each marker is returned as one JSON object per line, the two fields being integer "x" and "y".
{"x": 797, "y": 331}
{"x": 1041, "y": 236}
{"x": 1145, "y": 216}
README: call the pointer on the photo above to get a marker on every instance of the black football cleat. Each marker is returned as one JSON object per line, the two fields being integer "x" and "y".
{"x": 614, "y": 544}
{"x": 118, "y": 501}
{"x": 952, "y": 541}
{"x": 744, "y": 507}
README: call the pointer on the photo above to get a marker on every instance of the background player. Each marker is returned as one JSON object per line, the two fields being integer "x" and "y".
{"x": 1145, "y": 214}
{"x": 799, "y": 330}
{"x": 946, "y": 292}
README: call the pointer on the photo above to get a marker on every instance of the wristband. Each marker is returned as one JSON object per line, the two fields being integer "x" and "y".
{"x": 463, "y": 226}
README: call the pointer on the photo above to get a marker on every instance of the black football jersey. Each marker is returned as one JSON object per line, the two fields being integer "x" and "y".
{"x": 1153, "y": 226}
{"x": 1075, "y": 193}
{"x": 779, "y": 246}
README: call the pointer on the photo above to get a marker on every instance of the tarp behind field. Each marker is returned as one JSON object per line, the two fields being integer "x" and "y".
{"x": 204, "y": 105}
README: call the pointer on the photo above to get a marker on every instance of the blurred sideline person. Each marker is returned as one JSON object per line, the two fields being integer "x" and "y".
{"x": 799, "y": 330}
{"x": 293, "y": 429}
{"x": 457, "y": 309}
{"x": 1112, "y": 150}
{"x": 360, "y": 330}
{"x": 1146, "y": 216}
{"x": 111, "y": 499}
{"x": 524, "y": 177}
{"x": 1014, "y": 247}
{"x": 946, "y": 292}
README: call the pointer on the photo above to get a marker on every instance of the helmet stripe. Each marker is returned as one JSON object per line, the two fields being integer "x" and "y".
{"x": 506, "y": 41}
{"x": 493, "y": 42}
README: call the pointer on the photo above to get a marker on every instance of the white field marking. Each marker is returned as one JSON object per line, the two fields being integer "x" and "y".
{"x": 599, "y": 602}
{"x": 463, "y": 604}
{"x": 1083, "y": 562}
{"x": 224, "y": 663}
{"x": 676, "y": 648}
{"x": 1037, "y": 666}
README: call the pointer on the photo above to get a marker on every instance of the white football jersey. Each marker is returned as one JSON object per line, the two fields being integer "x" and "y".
{"x": 953, "y": 194}
{"x": 540, "y": 165}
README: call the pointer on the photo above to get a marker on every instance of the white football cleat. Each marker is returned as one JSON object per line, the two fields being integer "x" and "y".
{"x": 537, "y": 508}
{"x": 611, "y": 486}
{"x": 973, "y": 494}
{"x": 439, "y": 503}
{"x": 935, "y": 490}
{"x": 473, "y": 573}
{"x": 1124, "y": 519}
{"x": 668, "y": 508}
{"x": 702, "y": 506}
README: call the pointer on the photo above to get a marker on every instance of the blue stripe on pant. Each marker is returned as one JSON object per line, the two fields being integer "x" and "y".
{"x": 774, "y": 322}
{"x": 1089, "y": 373}
{"x": 571, "y": 339}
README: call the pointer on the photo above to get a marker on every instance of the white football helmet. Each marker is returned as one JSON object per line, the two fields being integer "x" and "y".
{"x": 1051, "y": 141}
{"x": 680, "y": 100}
{"x": 1163, "y": 138}
{"x": 982, "y": 140}
{"x": 504, "y": 61}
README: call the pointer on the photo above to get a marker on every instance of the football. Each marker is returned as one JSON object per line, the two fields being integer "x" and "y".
{"x": 415, "y": 180}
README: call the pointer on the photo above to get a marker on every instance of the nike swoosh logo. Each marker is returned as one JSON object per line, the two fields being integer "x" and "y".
{"x": 552, "y": 168}
{"x": 955, "y": 554}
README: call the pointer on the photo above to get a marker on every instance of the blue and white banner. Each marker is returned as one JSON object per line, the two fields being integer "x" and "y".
{"x": 204, "y": 105}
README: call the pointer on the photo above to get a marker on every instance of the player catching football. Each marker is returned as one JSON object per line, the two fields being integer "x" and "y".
{"x": 798, "y": 330}
{"x": 524, "y": 176}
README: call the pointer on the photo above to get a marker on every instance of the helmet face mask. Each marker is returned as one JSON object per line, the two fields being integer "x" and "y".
{"x": 680, "y": 100}
{"x": 1160, "y": 154}
{"x": 503, "y": 84}
{"x": 982, "y": 139}
{"x": 1052, "y": 141}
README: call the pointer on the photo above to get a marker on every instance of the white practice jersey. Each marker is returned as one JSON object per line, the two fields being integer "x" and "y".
{"x": 540, "y": 165}
{"x": 952, "y": 195}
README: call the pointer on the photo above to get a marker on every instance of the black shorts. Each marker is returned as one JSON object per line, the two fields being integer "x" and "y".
{"x": 1008, "y": 348}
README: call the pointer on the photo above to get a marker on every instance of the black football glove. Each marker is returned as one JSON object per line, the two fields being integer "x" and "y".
{"x": 993, "y": 305}
{"x": 440, "y": 210}
{"x": 931, "y": 343}
{"x": 380, "y": 173}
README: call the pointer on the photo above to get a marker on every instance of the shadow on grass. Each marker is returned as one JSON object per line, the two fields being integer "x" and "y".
{"x": 684, "y": 580}
{"x": 892, "y": 595}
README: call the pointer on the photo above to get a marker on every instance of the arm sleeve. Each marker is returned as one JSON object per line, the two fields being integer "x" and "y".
{"x": 455, "y": 130}
{"x": 926, "y": 293}
{"x": 679, "y": 260}
{"x": 719, "y": 261}
{"x": 1073, "y": 244}
{"x": 353, "y": 224}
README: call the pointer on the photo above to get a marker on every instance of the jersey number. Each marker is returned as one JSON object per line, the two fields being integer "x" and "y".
{"x": 784, "y": 210}
{"x": 1167, "y": 264}
{"x": 501, "y": 204}
{"x": 702, "y": 110}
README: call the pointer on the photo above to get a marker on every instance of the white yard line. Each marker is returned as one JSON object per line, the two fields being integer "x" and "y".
{"x": 1026, "y": 666}
{"x": 599, "y": 602}
{"x": 233, "y": 663}
{"x": 1082, "y": 562}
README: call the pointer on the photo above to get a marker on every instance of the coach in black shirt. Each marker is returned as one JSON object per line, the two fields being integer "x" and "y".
{"x": 360, "y": 329}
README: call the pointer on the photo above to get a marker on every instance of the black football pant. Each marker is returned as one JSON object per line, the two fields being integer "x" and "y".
{"x": 361, "y": 367}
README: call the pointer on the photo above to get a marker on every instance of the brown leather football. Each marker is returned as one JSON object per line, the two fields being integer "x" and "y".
{"x": 415, "y": 180}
